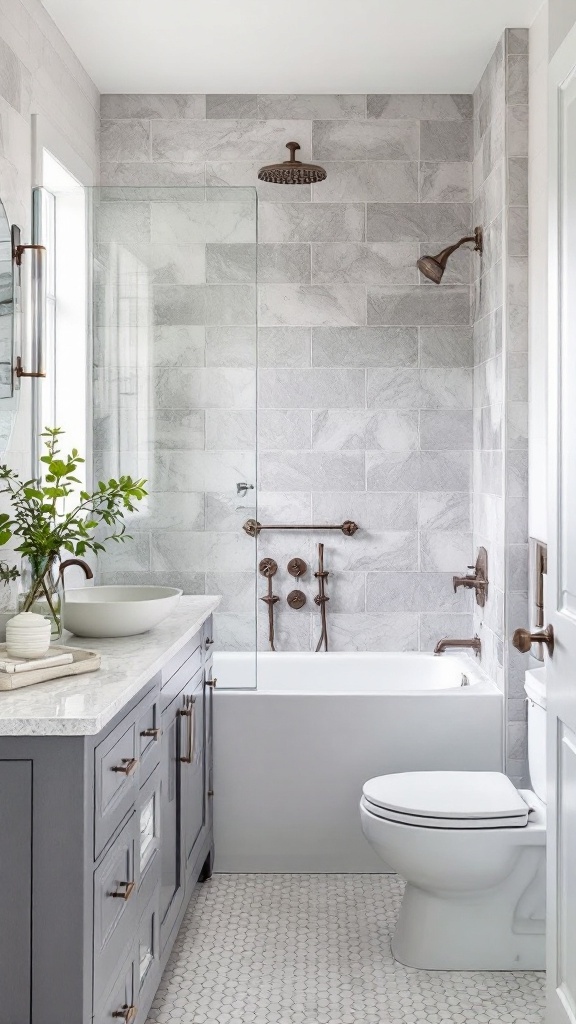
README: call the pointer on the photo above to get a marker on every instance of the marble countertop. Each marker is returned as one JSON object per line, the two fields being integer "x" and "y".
{"x": 83, "y": 705}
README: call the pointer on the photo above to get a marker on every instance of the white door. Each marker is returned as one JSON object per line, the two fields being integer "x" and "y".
{"x": 561, "y": 597}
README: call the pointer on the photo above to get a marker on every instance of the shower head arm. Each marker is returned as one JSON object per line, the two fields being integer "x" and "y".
{"x": 443, "y": 256}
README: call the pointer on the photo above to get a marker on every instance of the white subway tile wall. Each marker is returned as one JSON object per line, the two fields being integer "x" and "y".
{"x": 365, "y": 387}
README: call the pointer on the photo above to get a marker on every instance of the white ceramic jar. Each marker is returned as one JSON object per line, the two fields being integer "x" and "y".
{"x": 27, "y": 635}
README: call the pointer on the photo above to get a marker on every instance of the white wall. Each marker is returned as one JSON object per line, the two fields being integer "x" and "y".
{"x": 42, "y": 87}
{"x": 538, "y": 272}
{"x": 562, "y": 15}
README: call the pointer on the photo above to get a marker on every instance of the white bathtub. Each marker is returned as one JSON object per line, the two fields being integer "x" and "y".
{"x": 291, "y": 756}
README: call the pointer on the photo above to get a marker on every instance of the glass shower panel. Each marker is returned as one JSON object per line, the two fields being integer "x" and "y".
{"x": 174, "y": 329}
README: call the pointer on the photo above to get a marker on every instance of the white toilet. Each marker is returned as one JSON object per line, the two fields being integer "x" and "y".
{"x": 472, "y": 850}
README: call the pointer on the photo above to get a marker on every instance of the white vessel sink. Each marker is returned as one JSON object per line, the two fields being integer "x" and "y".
{"x": 117, "y": 611}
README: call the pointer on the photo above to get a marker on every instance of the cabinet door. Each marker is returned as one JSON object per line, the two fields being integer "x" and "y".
{"x": 193, "y": 789}
{"x": 16, "y": 890}
{"x": 171, "y": 891}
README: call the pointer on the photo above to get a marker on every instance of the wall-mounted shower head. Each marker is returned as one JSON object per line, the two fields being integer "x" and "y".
{"x": 433, "y": 267}
{"x": 292, "y": 171}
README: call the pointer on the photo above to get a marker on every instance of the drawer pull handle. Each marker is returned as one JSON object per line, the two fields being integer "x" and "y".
{"x": 188, "y": 712}
{"x": 154, "y": 734}
{"x": 212, "y": 683}
{"x": 127, "y": 1013}
{"x": 124, "y": 893}
{"x": 127, "y": 767}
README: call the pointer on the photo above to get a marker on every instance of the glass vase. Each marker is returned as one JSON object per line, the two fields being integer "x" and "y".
{"x": 41, "y": 591}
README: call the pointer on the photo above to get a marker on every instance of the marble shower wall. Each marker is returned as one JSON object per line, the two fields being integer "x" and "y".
{"x": 365, "y": 380}
{"x": 501, "y": 371}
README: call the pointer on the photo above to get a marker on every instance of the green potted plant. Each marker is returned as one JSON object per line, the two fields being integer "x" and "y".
{"x": 44, "y": 527}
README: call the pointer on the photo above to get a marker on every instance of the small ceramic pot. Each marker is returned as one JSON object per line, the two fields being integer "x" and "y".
{"x": 27, "y": 635}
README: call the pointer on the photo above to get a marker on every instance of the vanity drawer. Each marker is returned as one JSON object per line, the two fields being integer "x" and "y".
{"x": 117, "y": 777}
{"x": 148, "y": 961}
{"x": 181, "y": 677}
{"x": 121, "y": 1003}
{"x": 149, "y": 733}
{"x": 193, "y": 649}
{"x": 116, "y": 904}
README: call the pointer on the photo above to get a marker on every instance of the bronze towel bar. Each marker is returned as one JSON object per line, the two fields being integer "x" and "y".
{"x": 252, "y": 527}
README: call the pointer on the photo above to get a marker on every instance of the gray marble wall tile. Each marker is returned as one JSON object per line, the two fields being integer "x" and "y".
{"x": 395, "y": 550}
{"x": 226, "y": 512}
{"x": 368, "y": 182}
{"x": 177, "y": 264}
{"x": 179, "y": 304}
{"x": 230, "y": 428}
{"x": 240, "y": 173}
{"x": 517, "y": 78}
{"x": 418, "y": 305}
{"x": 230, "y": 105}
{"x": 365, "y": 140}
{"x": 147, "y": 173}
{"x": 304, "y": 471}
{"x": 445, "y": 551}
{"x": 226, "y": 139}
{"x": 175, "y": 428}
{"x": 157, "y": 105}
{"x": 347, "y": 591}
{"x": 227, "y": 346}
{"x": 128, "y": 223}
{"x": 434, "y": 627}
{"x": 418, "y": 471}
{"x": 379, "y": 512}
{"x": 302, "y": 106}
{"x": 169, "y": 510}
{"x": 446, "y": 140}
{"x": 414, "y": 592}
{"x": 230, "y": 304}
{"x": 318, "y": 222}
{"x": 517, "y": 130}
{"x": 446, "y": 346}
{"x": 185, "y": 222}
{"x": 445, "y": 182}
{"x": 125, "y": 141}
{"x": 364, "y": 346}
{"x": 284, "y": 346}
{"x": 203, "y": 388}
{"x": 443, "y": 510}
{"x": 201, "y": 552}
{"x": 419, "y": 389}
{"x": 518, "y": 181}
{"x": 230, "y": 263}
{"x": 363, "y": 429}
{"x": 425, "y": 222}
{"x": 375, "y": 264}
{"x": 422, "y": 107}
{"x": 237, "y": 590}
{"x": 281, "y": 429}
{"x": 388, "y": 632}
{"x": 312, "y": 388}
{"x": 285, "y": 264}
{"x": 311, "y": 305}
{"x": 446, "y": 430}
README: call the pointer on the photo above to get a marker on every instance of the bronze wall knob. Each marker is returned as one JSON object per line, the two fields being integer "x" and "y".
{"x": 296, "y": 599}
{"x": 297, "y": 567}
{"x": 523, "y": 639}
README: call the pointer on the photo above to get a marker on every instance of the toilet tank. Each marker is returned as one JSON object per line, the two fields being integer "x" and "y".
{"x": 535, "y": 687}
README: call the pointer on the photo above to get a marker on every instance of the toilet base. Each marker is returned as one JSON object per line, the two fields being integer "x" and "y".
{"x": 466, "y": 932}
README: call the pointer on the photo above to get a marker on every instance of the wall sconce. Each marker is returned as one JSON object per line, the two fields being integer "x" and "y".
{"x": 30, "y": 302}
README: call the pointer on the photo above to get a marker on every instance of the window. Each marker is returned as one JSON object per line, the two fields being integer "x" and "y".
{"x": 62, "y": 398}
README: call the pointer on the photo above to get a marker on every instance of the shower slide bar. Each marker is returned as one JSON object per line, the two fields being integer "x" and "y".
{"x": 252, "y": 527}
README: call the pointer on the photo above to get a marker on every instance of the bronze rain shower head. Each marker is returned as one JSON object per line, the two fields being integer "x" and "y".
{"x": 433, "y": 267}
{"x": 292, "y": 171}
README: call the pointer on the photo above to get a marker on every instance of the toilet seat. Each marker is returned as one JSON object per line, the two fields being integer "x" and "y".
{"x": 457, "y": 800}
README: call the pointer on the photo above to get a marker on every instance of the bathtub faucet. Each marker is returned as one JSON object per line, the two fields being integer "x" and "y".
{"x": 474, "y": 643}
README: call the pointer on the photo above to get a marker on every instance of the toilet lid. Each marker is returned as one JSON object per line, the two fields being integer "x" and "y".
{"x": 447, "y": 799}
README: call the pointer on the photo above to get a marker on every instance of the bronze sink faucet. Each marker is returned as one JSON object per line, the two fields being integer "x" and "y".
{"x": 445, "y": 644}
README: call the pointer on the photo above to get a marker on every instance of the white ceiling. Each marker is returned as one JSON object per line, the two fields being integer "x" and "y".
{"x": 286, "y": 46}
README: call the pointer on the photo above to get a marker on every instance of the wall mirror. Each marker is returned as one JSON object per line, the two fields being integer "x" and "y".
{"x": 8, "y": 396}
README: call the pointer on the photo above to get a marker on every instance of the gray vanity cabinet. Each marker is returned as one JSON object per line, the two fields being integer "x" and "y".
{"x": 102, "y": 840}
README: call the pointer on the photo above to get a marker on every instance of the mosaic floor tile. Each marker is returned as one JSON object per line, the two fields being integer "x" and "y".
{"x": 315, "y": 949}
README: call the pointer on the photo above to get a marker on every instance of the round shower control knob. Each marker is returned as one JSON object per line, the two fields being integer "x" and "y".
{"x": 297, "y": 567}
{"x": 296, "y": 599}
